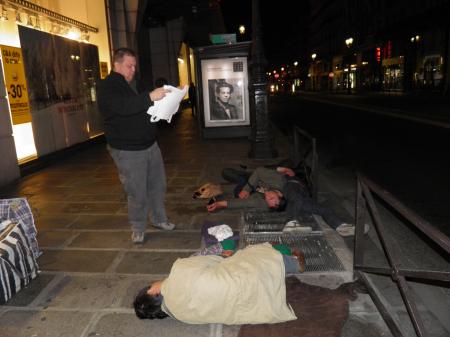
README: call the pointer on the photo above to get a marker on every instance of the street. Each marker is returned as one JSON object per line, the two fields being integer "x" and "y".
{"x": 407, "y": 158}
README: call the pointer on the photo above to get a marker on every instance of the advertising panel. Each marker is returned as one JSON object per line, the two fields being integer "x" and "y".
{"x": 16, "y": 84}
{"x": 225, "y": 92}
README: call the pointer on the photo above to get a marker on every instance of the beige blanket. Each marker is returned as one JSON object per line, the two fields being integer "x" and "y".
{"x": 248, "y": 287}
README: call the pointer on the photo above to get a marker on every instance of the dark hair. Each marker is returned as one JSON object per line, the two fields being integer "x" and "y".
{"x": 282, "y": 202}
{"x": 121, "y": 52}
{"x": 148, "y": 306}
{"x": 224, "y": 85}
{"x": 281, "y": 205}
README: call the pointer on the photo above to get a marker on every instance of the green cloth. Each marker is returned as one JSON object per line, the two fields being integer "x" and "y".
{"x": 283, "y": 249}
{"x": 228, "y": 244}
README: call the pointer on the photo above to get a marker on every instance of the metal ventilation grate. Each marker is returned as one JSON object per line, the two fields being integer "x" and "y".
{"x": 319, "y": 256}
{"x": 259, "y": 227}
{"x": 273, "y": 222}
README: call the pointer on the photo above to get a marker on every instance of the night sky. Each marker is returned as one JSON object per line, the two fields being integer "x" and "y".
{"x": 284, "y": 26}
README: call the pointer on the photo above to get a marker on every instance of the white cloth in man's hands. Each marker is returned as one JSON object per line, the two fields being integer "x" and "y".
{"x": 221, "y": 232}
{"x": 168, "y": 106}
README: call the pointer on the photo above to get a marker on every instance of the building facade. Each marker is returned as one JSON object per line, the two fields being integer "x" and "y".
{"x": 54, "y": 53}
{"x": 379, "y": 45}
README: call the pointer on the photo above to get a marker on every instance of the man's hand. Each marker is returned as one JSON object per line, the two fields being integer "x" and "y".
{"x": 158, "y": 94}
{"x": 155, "y": 288}
{"x": 285, "y": 170}
{"x": 217, "y": 205}
{"x": 244, "y": 194}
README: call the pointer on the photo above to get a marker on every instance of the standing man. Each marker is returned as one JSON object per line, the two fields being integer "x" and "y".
{"x": 132, "y": 143}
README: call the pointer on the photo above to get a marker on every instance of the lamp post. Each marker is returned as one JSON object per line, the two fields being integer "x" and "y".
{"x": 349, "y": 43}
{"x": 261, "y": 137}
{"x": 313, "y": 71}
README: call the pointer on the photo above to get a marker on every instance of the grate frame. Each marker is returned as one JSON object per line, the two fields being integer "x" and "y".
{"x": 319, "y": 255}
{"x": 257, "y": 222}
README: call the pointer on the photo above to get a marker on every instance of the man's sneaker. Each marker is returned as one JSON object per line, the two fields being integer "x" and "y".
{"x": 295, "y": 226}
{"x": 347, "y": 229}
{"x": 138, "y": 237}
{"x": 167, "y": 226}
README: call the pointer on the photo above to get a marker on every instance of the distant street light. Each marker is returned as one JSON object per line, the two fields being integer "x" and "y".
{"x": 349, "y": 43}
{"x": 242, "y": 29}
{"x": 312, "y": 76}
{"x": 295, "y": 63}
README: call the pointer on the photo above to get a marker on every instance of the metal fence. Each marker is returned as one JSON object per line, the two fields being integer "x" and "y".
{"x": 365, "y": 205}
{"x": 304, "y": 155}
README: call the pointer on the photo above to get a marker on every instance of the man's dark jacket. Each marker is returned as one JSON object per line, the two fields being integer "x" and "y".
{"x": 127, "y": 124}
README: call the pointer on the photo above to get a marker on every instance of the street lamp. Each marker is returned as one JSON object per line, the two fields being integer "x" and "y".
{"x": 348, "y": 43}
{"x": 242, "y": 29}
{"x": 261, "y": 139}
{"x": 313, "y": 71}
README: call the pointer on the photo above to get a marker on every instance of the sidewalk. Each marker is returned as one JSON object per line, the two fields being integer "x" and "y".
{"x": 91, "y": 270}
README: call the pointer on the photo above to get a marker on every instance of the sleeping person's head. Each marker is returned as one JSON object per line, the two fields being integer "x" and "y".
{"x": 148, "y": 306}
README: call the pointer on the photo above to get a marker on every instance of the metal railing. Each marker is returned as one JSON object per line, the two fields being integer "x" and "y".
{"x": 366, "y": 190}
{"x": 304, "y": 156}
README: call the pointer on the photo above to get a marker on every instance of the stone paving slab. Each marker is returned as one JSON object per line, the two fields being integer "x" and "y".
{"x": 87, "y": 292}
{"x": 176, "y": 189}
{"x": 92, "y": 207}
{"x": 16, "y": 323}
{"x": 230, "y": 218}
{"x": 120, "y": 325}
{"x": 172, "y": 240}
{"x": 180, "y": 212}
{"x": 103, "y": 239}
{"x": 154, "y": 240}
{"x": 100, "y": 221}
{"x": 45, "y": 189}
{"x": 49, "y": 207}
{"x": 100, "y": 190}
{"x": 76, "y": 260}
{"x": 97, "y": 198}
{"x": 54, "y": 239}
{"x": 54, "y": 221}
{"x": 148, "y": 262}
{"x": 48, "y": 196}
{"x": 183, "y": 181}
{"x": 29, "y": 293}
{"x": 365, "y": 324}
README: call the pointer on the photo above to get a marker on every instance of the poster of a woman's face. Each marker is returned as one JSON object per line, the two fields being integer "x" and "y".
{"x": 225, "y": 92}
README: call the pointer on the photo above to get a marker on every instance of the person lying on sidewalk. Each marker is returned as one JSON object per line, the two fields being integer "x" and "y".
{"x": 246, "y": 288}
{"x": 279, "y": 189}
